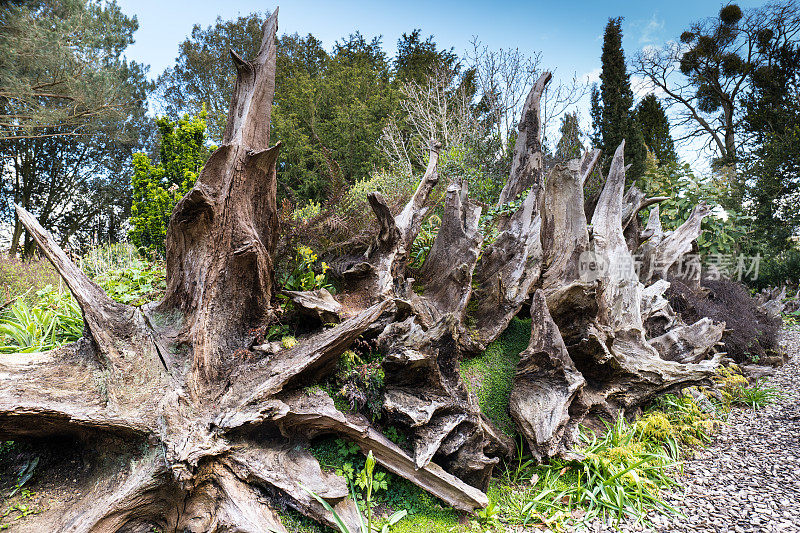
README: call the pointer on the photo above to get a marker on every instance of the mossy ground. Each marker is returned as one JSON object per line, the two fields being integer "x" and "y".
{"x": 490, "y": 375}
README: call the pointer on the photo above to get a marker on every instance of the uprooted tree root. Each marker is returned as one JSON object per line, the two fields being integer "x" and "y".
{"x": 219, "y": 419}
{"x": 751, "y": 334}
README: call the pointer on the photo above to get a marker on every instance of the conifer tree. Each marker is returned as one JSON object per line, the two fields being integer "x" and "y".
{"x": 157, "y": 187}
{"x": 655, "y": 129}
{"x": 569, "y": 145}
{"x": 617, "y": 121}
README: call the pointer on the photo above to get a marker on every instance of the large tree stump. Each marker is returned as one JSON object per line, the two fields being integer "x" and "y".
{"x": 214, "y": 422}
{"x": 213, "y": 447}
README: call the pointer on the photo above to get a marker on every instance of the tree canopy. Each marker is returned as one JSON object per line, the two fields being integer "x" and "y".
{"x": 72, "y": 110}
{"x": 653, "y": 121}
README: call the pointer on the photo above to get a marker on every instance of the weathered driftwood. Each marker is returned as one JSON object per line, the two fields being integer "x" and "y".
{"x": 313, "y": 413}
{"x": 425, "y": 394}
{"x": 618, "y": 346}
{"x": 504, "y": 276}
{"x": 773, "y": 301}
{"x": 569, "y": 290}
{"x": 527, "y": 163}
{"x": 565, "y": 235}
{"x": 634, "y": 201}
{"x": 510, "y": 266}
{"x": 380, "y": 274}
{"x": 664, "y": 256}
{"x": 160, "y": 378}
{"x": 446, "y": 274}
{"x": 657, "y": 314}
{"x": 689, "y": 344}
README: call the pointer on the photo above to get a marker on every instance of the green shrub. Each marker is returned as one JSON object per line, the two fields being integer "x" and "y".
{"x": 308, "y": 211}
{"x": 777, "y": 269}
{"x": 44, "y": 318}
{"x": 722, "y": 233}
{"x": 620, "y": 477}
{"x": 157, "y": 187}
{"x": 302, "y": 277}
{"x": 124, "y": 275}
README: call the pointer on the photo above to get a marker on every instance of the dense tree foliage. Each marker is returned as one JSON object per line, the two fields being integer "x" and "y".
{"x": 157, "y": 187}
{"x": 333, "y": 119}
{"x": 329, "y": 109}
{"x": 654, "y": 123}
{"x": 354, "y": 116}
{"x": 772, "y": 120}
{"x": 615, "y": 101}
{"x": 569, "y": 145}
{"x": 62, "y": 69}
{"x": 72, "y": 111}
{"x": 201, "y": 75}
{"x": 416, "y": 58}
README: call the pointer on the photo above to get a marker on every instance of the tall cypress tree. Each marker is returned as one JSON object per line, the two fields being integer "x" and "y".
{"x": 570, "y": 145}
{"x": 617, "y": 119}
{"x": 655, "y": 129}
{"x": 596, "y": 112}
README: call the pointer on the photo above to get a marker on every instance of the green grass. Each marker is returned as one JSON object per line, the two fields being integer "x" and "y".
{"x": 490, "y": 375}
{"x": 429, "y": 520}
{"x": 425, "y": 512}
{"x": 295, "y": 522}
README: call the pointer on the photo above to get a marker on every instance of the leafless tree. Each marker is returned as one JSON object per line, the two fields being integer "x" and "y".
{"x": 504, "y": 78}
{"x": 439, "y": 108}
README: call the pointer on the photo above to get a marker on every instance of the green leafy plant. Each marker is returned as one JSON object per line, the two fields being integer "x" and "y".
{"x": 723, "y": 231}
{"x": 310, "y": 210}
{"x": 369, "y": 482}
{"x": 303, "y": 277}
{"x": 124, "y": 274}
{"x": 55, "y": 320}
{"x": 756, "y": 395}
{"x": 487, "y": 517}
{"x": 622, "y": 472}
{"x": 157, "y": 188}
{"x": 421, "y": 246}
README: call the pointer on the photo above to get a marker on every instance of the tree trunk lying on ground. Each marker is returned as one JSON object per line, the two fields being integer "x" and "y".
{"x": 218, "y": 421}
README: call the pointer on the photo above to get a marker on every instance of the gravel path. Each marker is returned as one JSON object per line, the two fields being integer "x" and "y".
{"x": 748, "y": 479}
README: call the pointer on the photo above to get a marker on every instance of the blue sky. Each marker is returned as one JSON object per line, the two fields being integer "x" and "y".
{"x": 569, "y": 34}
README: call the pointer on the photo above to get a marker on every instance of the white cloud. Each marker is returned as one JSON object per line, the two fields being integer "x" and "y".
{"x": 593, "y": 76}
{"x": 650, "y": 29}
